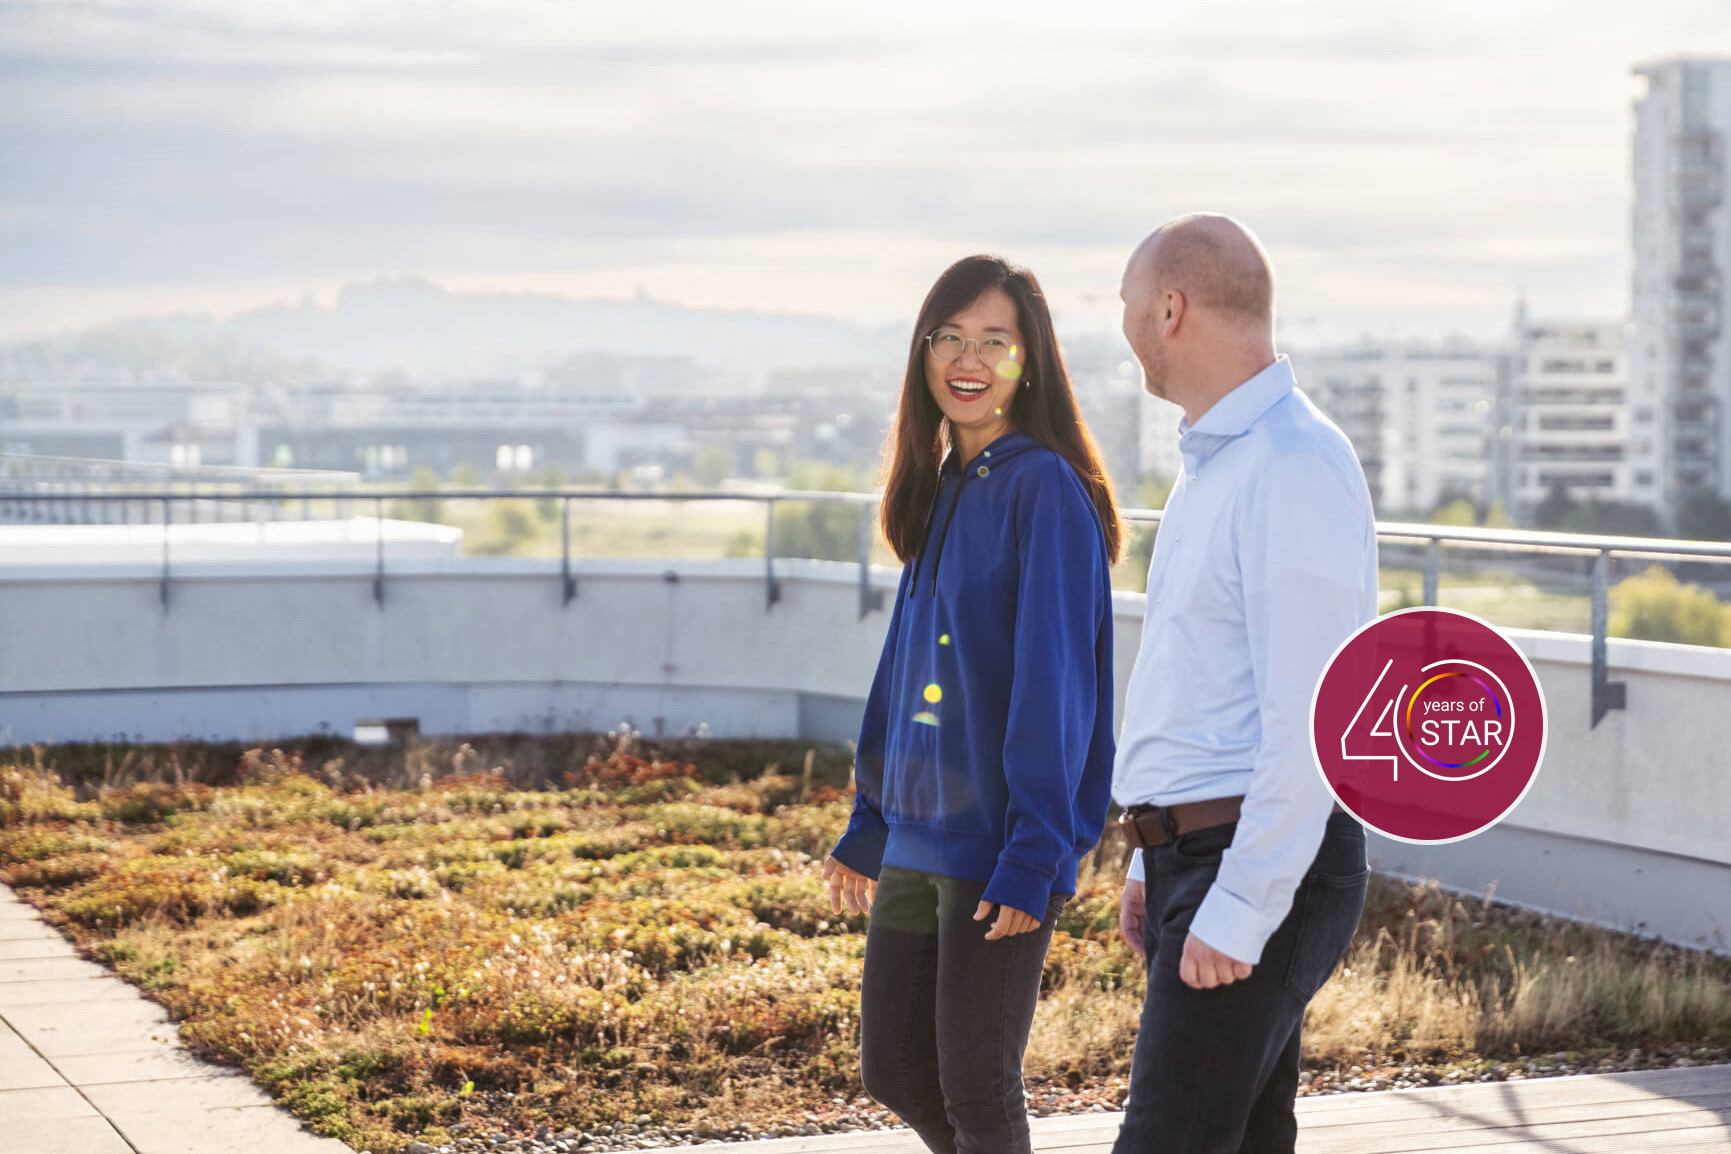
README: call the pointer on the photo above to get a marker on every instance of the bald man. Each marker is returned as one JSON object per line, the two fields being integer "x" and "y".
{"x": 1247, "y": 883}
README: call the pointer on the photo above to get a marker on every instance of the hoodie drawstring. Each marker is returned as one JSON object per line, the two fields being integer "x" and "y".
{"x": 944, "y": 533}
{"x": 925, "y": 530}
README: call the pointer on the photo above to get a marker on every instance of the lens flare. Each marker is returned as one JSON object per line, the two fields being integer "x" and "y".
{"x": 926, "y": 718}
{"x": 1008, "y": 369}
{"x": 944, "y": 640}
{"x": 934, "y": 694}
{"x": 983, "y": 471}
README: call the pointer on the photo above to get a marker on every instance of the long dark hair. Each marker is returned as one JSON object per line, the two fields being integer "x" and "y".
{"x": 1045, "y": 410}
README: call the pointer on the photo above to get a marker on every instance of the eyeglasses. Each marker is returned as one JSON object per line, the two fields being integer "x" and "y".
{"x": 947, "y": 347}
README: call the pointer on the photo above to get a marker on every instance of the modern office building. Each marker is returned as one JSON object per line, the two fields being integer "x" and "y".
{"x": 378, "y": 431}
{"x": 1680, "y": 363}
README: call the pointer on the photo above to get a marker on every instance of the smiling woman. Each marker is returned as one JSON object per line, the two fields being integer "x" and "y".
{"x": 972, "y": 368}
{"x": 984, "y": 756}
{"x": 984, "y": 359}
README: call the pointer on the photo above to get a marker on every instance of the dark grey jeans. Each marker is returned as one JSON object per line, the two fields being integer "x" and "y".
{"x": 1216, "y": 1070}
{"x": 944, "y": 1014}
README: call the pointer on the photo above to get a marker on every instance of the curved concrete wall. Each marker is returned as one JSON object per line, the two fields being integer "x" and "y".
{"x": 1627, "y": 822}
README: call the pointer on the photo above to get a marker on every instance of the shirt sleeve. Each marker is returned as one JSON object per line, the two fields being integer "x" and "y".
{"x": 1053, "y": 687}
{"x": 1302, "y": 537}
{"x": 861, "y": 847}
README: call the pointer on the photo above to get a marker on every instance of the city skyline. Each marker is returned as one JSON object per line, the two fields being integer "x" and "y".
{"x": 1413, "y": 172}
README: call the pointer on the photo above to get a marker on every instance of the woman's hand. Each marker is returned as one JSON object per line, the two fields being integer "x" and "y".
{"x": 848, "y": 887}
{"x": 1132, "y": 909}
{"x": 1010, "y": 921}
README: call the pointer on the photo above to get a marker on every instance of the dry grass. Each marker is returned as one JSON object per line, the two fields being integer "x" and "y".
{"x": 595, "y": 931}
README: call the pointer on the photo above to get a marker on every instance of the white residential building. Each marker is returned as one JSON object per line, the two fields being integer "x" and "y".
{"x": 1680, "y": 364}
{"x": 1417, "y": 412}
{"x": 1570, "y": 411}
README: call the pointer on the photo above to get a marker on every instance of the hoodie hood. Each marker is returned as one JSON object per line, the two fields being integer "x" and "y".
{"x": 953, "y": 474}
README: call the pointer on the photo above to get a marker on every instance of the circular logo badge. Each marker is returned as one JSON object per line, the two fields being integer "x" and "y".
{"x": 1428, "y": 725}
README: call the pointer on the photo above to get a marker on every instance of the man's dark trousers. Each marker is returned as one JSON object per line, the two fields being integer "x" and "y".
{"x": 1216, "y": 1070}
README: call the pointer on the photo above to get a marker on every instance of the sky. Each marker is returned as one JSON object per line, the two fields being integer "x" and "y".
{"x": 1412, "y": 168}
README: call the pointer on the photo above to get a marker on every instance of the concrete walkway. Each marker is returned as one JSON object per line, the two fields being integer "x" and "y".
{"x": 88, "y": 1066}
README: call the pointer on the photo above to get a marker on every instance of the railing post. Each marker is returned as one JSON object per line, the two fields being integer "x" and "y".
{"x": 772, "y": 592}
{"x": 1607, "y": 694}
{"x": 1432, "y": 565}
{"x": 568, "y": 583}
{"x": 868, "y": 598}
{"x": 379, "y": 568}
{"x": 167, "y": 518}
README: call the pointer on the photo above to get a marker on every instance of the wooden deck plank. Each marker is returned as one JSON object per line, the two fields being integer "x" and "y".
{"x": 1462, "y": 1133}
{"x": 1700, "y": 1139}
{"x": 1537, "y": 1092}
{"x": 1678, "y": 1111}
{"x": 1512, "y": 1110}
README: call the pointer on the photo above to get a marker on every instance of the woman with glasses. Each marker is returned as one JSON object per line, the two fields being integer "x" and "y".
{"x": 985, "y": 758}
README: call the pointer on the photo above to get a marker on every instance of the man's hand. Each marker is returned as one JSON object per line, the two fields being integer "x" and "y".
{"x": 1132, "y": 907}
{"x": 1010, "y": 921}
{"x": 1204, "y": 967}
{"x": 849, "y": 888}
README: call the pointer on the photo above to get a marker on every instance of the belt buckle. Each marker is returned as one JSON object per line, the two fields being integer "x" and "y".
{"x": 1132, "y": 830}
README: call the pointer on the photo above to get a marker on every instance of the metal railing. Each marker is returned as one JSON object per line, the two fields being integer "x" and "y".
{"x": 1599, "y": 549}
{"x": 1606, "y": 694}
{"x": 105, "y": 491}
{"x": 869, "y": 599}
{"x": 104, "y": 471}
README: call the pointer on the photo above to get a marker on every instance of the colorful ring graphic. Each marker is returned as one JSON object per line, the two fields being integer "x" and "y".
{"x": 1412, "y": 741}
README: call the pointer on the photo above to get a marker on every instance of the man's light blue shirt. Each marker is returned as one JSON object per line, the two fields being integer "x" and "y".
{"x": 1264, "y": 563}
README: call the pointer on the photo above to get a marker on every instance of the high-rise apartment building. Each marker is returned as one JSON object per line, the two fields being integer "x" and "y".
{"x": 1568, "y": 414}
{"x": 1680, "y": 361}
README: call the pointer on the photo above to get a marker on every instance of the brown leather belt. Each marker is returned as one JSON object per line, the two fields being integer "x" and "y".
{"x": 1147, "y": 826}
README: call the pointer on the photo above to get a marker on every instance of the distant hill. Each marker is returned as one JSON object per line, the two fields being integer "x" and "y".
{"x": 414, "y": 326}
{"x": 144, "y": 350}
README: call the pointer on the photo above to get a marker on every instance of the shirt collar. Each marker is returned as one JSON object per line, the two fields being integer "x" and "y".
{"x": 1237, "y": 410}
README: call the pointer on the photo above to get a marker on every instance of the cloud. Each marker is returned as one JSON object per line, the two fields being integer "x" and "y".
{"x": 196, "y": 141}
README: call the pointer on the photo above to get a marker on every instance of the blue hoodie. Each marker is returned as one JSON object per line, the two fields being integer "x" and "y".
{"x": 986, "y": 749}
